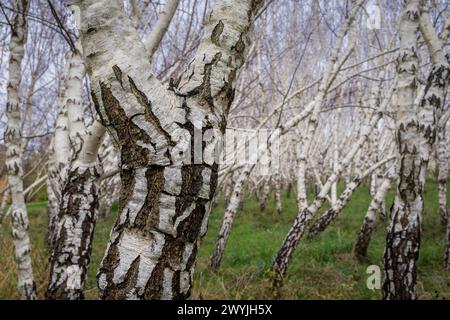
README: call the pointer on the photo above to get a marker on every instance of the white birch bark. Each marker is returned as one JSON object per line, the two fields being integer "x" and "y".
{"x": 14, "y": 168}
{"x": 236, "y": 195}
{"x": 442, "y": 159}
{"x": 164, "y": 205}
{"x": 58, "y": 160}
{"x": 416, "y": 132}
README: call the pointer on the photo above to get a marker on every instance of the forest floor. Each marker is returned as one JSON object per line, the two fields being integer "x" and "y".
{"x": 322, "y": 267}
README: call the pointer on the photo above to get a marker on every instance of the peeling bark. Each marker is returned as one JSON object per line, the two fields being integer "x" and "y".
{"x": 416, "y": 133}
{"x": 165, "y": 199}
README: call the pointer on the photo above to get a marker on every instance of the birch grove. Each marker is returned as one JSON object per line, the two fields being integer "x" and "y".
{"x": 172, "y": 147}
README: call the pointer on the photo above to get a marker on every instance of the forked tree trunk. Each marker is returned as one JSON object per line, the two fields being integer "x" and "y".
{"x": 165, "y": 200}
{"x": 13, "y": 142}
{"x": 416, "y": 132}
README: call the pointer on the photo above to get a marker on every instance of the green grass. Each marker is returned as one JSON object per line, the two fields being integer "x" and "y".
{"x": 322, "y": 267}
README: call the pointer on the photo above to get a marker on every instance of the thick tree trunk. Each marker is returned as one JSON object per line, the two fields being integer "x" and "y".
{"x": 328, "y": 216}
{"x": 416, "y": 132}
{"x": 165, "y": 200}
{"x": 13, "y": 142}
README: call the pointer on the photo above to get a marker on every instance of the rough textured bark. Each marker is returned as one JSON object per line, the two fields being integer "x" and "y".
{"x": 13, "y": 142}
{"x": 164, "y": 205}
{"x": 75, "y": 228}
{"x": 76, "y": 220}
{"x": 416, "y": 132}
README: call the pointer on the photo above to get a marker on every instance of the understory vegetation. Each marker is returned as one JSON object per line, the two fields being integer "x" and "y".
{"x": 322, "y": 267}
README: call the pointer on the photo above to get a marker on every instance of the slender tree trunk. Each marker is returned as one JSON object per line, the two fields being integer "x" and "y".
{"x": 161, "y": 26}
{"x": 264, "y": 194}
{"x": 442, "y": 158}
{"x": 305, "y": 214}
{"x": 447, "y": 247}
{"x": 366, "y": 230}
{"x": 58, "y": 161}
{"x": 236, "y": 195}
{"x": 277, "y": 187}
{"x": 227, "y": 222}
{"x": 13, "y": 142}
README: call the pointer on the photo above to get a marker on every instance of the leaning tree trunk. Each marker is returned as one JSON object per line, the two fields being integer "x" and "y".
{"x": 236, "y": 195}
{"x": 165, "y": 199}
{"x": 366, "y": 230}
{"x": 416, "y": 132}
{"x": 447, "y": 247}
{"x": 228, "y": 219}
{"x": 13, "y": 142}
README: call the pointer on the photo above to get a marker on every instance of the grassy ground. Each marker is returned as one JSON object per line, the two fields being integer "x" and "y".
{"x": 322, "y": 268}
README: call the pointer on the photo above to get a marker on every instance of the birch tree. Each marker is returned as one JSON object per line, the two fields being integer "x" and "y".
{"x": 13, "y": 141}
{"x": 416, "y": 133}
{"x": 164, "y": 204}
